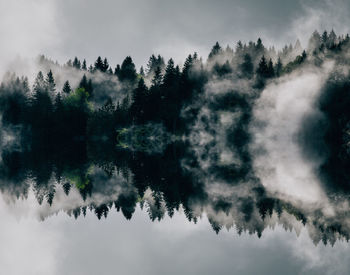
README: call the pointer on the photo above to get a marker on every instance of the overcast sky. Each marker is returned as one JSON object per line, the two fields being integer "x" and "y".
{"x": 63, "y": 29}
{"x": 63, "y": 245}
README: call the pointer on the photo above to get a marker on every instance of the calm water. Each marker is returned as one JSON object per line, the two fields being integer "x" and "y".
{"x": 89, "y": 210}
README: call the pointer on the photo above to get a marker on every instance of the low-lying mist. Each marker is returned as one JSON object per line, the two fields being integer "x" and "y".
{"x": 252, "y": 137}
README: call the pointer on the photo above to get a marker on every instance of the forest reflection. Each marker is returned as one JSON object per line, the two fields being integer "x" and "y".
{"x": 161, "y": 183}
{"x": 248, "y": 149}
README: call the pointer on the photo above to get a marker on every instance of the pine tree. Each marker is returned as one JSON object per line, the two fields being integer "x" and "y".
{"x": 83, "y": 82}
{"x": 50, "y": 82}
{"x": 332, "y": 39}
{"x": 83, "y": 66}
{"x": 58, "y": 106}
{"x": 259, "y": 48}
{"x": 139, "y": 104}
{"x": 216, "y": 50}
{"x": 262, "y": 70}
{"x": 66, "y": 88}
{"x": 157, "y": 78}
{"x": 153, "y": 63}
{"x": 324, "y": 38}
{"x": 187, "y": 66}
{"x": 105, "y": 65}
{"x": 239, "y": 48}
{"x": 170, "y": 75}
{"x": 76, "y": 63}
{"x": 90, "y": 88}
{"x": 315, "y": 41}
{"x": 278, "y": 67}
{"x": 99, "y": 64}
{"x": 39, "y": 83}
{"x": 69, "y": 63}
{"x": 270, "y": 69}
{"x": 247, "y": 67}
{"x": 117, "y": 70}
{"x": 25, "y": 85}
{"x": 128, "y": 70}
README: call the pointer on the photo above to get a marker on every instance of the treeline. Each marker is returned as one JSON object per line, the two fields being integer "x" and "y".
{"x": 115, "y": 180}
{"x": 158, "y": 93}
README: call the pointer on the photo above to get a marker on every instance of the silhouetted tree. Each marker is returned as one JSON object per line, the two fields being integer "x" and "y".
{"x": 139, "y": 102}
{"x": 278, "y": 67}
{"x": 247, "y": 67}
{"x": 263, "y": 70}
{"x": 77, "y": 63}
{"x": 99, "y": 64}
{"x": 128, "y": 70}
{"x": 83, "y": 66}
{"x": 66, "y": 88}
{"x": 216, "y": 50}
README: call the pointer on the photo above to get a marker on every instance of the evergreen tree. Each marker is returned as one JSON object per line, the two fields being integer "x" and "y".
{"x": 153, "y": 63}
{"x": 142, "y": 72}
{"x": 41, "y": 110}
{"x": 83, "y": 66}
{"x": 66, "y": 88}
{"x": 76, "y": 63}
{"x": 229, "y": 51}
{"x": 332, "y": 39}
{"x": 50, "y": 82}
{"x": 157, "y": 78}
{"x": 187, "y": 65}
{"x": 90, "y": 88}
{"x": 128, "y": 70}
{"x": 270, "y": 69}
{"x": 278, "y": 67}
{"x": 247, "y": 67}
{"x": 58, "y": 105}
{"x": 222, "y": 70}
{"x": 83, "y": 82}
{"x": 69, "y": 63}
{"x": 25, "y": 85}
{"x": 263, "y": 70}
{"x": 139, "y": 102}
{"x": 324, "y": 38}
{"x": 99, "y": 65}
{"x": 105, "y": 65}
{"x": 216, "y": 50}
{"x": 86, "y": 85}
{"x": 239, "y": 48}
{"x": 39, "y": 83}
{"x": 170, "y": 73}
{"x": 315, "y": 41}
{"x": 117, "y": 70}
{"x": 259, "y": 48}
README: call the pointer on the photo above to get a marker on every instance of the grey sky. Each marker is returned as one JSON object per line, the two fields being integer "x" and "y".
{"x": 63, "y": 245}
{"x": 116, "y": 28}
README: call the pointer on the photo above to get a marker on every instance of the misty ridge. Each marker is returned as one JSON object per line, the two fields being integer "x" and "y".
{"x": 250, "y": 138}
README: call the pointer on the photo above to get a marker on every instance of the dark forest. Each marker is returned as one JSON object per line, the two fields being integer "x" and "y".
{"x": 155, "y": 132}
